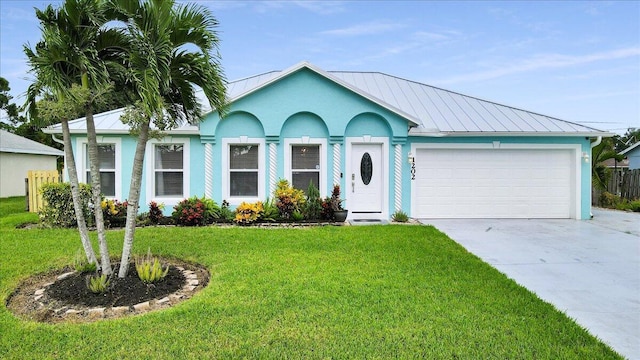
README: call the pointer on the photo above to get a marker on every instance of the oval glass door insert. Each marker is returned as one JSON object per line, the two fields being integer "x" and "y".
{"x": 366, "y": 168}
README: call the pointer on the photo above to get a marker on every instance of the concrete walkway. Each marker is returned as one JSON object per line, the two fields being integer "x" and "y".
{"x": 589, "y": 269}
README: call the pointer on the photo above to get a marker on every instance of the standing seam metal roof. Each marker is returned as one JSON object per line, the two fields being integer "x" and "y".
{"x": 432, "y": 109}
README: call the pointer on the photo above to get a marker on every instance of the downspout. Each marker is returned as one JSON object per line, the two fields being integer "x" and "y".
{"x": 53, "y": 136}
{"x": 593, "y": 144}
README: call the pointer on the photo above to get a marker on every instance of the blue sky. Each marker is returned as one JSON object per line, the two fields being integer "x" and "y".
{"x": 578, "y": 61}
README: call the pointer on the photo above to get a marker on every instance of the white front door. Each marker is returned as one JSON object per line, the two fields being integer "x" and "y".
{"x": 365, "y": 182}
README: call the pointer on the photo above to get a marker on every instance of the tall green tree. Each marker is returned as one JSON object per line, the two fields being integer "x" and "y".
{"x": 10, "y": 109}
{"x": 174, "y": 51}
{"x": 77, "y": 49}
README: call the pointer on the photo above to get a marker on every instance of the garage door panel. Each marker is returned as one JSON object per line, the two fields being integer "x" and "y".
{"x": 503, "y": 183}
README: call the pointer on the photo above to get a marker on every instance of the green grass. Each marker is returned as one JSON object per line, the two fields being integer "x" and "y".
{"x": 331, "y": 292}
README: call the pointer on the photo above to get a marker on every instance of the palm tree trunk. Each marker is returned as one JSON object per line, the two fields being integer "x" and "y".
{"x": 97, "y": 191}
{"x": 75, "y": 194}
{"x": 134, "y": 198}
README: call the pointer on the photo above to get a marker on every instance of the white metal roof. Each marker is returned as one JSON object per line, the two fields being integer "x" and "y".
{"x": 12, "y": 143}
{"x": 431, "y": 111}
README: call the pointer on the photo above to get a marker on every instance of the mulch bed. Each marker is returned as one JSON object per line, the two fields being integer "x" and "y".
{"x": 69, "y": 300}
{"x": 127, "y": 291}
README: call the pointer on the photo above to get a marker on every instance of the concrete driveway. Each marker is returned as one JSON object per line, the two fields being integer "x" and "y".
{"x": 589, "y": 269}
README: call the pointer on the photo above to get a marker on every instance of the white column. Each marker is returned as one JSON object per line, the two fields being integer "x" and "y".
{"x": 398, "y": 177}
{"x": 336, "y": 164}
{"x": 273, "y": 166}
{"x": 208, "y": 170}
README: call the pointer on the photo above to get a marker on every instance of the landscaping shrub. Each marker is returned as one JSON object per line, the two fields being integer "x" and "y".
{"x": 611, "y": 201}
{"x": 248, "y": 213}
{"x": 313, "y": 206}
{"x": 332, "y": 204}
{"x": 155, "y": 213}
{"x": 288, "y": 199}
{"x": 196, "y": 211}
{"x": 58, "y": 210}
{"x": 114, "y": 212}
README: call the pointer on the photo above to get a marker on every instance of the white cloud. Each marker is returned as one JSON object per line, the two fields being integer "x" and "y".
{"x": 539, "y": 62}
{"x": 317, "y": 7}
{"x": 370, "y": 28}
{"x": 322, "y": 7}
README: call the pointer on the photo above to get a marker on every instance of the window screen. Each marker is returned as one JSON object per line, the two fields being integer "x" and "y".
{"x": 168, "y": 167}
{"x": 243, "y": 170}
{"x": 305, "y": 166}
{"x": 106, "y": 166}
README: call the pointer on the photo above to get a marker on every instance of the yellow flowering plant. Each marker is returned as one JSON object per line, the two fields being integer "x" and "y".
{"x": 248, "y": 213}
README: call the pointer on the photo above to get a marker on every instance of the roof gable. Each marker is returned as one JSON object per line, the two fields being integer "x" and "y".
{"x": 242, "y": 88}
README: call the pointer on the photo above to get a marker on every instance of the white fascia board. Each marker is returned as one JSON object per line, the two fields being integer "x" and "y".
{"x": 31, "y": 152}
{"x": 435, "y": 133}
{"x": 623, "y": 152}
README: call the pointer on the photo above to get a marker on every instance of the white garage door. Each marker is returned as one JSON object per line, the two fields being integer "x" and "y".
{"x": 493, "y": 183}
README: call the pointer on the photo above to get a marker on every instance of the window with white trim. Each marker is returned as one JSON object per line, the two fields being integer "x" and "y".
{"x": 168, "y": 168}
{"x": 305, "y": 166}
{"x": 106, "y": 166}
{"x": 243, "y": 170}
{"x": 306, "y": 161}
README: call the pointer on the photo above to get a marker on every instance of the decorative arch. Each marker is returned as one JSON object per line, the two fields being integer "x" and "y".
{"x": 304, "y": 124}
{"x": 368, "y": 124}
{"x": 240, "y": 123}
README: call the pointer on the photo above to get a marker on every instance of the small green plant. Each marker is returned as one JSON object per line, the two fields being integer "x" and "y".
{"x": 269, "y": 211}
{"x": 81, "y": 265}
{"x": 225, "y": 212}
{"x": 400, "y": 216}
{"x": 313, "y": 206}
{"x": 297, "y": 216}
{"x": 98, "y": 284}
{"x": 149, "y": 269}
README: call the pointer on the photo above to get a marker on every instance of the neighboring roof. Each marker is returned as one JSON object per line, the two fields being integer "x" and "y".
{"x": 630, "y": 148}
{"x": 430, "y": 111}
{"x": 612, "y": 163}
{"x": 12, "y": 143}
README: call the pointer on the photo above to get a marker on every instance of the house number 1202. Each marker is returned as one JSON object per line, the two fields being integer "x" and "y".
{"x": 413, "y": 169}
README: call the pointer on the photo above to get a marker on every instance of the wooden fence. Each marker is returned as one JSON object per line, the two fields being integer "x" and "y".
{"x": 35, "y": 179}
{"x": 630, "y": 188}
{"x": 623, "y": 183}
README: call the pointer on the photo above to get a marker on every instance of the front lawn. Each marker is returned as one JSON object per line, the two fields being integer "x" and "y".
{"x": 322, "y": 292}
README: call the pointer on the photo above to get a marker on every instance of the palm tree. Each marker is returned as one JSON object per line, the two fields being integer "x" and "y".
{"x": 600, "y": 174}
{"x": 173, "y": 51}
{"x": 75, "y": 49}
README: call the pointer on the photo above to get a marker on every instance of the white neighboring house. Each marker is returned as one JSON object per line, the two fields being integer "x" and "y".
{"x": 18, "y": 155}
